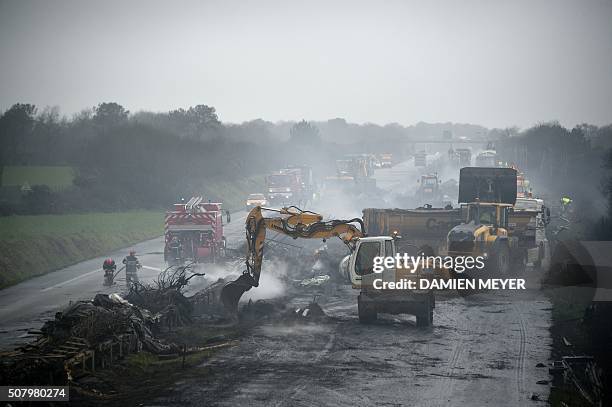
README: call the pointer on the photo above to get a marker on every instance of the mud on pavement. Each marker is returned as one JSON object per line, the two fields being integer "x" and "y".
{"x": 482, "y": 350}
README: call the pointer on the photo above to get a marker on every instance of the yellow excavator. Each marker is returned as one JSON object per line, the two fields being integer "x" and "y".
{"x": 290, "y": 221}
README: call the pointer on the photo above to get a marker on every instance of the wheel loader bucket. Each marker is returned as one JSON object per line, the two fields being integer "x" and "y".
{"x": 487, "y": 185}
{"x": 232, "y": 291}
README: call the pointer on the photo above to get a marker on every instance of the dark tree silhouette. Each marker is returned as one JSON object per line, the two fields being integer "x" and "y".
{"x": 304, "y": 133}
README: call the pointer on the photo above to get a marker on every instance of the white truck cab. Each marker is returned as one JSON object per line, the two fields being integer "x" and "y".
{"x": 360, "y": 263}
{"x": 358, "y": 268}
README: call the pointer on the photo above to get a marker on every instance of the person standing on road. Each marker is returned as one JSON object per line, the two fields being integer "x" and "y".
{"x": 176, "y": 249}
{"x": 109, "y": 268}
{"x": 131, "y": 267}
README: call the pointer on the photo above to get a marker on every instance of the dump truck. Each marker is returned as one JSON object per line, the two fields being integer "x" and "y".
{"x": 193, "y": 231}
{"x": 420, "y": 159}
{"x": 422, "y": 229}
{"x": 528, "y": 221}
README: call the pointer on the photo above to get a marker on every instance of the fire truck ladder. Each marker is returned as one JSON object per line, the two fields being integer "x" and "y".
{"x": 193, "y": 203}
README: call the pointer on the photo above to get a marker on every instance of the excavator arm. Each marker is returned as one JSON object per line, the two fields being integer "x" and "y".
{"x": 292, "y": 222}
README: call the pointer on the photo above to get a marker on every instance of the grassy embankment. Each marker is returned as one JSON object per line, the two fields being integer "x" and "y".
{"x": 34, "y": 245}
{"x": 233, "y": 194}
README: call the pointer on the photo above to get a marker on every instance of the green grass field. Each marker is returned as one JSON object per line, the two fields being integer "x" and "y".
{"x": 121, "y": 223}
{"x": 34, "y": 245}
{"x": 56, "y": 178}
{"x": 234, "y": 195}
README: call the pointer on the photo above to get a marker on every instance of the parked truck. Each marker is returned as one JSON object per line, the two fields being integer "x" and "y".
{"x": 420, "y": 159}
{"x": 422, "y": 229}
{"x": 193, "y": 231}
{"x": 293, "y": 185}
{"x": 487, "y": 158}
{"x": 464, "y": 156}
{"x": 353, "y": 174}
{"x": 386, "y": 160}
{"x": 528, "y": 221}
{"x": 428, "y": 192}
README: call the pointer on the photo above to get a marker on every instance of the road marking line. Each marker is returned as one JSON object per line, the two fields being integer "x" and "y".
{"x": 151, "y": 268}
{"x": 71, "y": 280}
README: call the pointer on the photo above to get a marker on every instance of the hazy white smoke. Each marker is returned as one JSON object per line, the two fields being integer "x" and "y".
{"x": 271, "y": 282}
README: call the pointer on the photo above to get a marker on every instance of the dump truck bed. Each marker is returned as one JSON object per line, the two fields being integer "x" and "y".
{"x": 418, "y": 227}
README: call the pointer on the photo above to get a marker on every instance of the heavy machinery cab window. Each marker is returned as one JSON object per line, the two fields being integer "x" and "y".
{"x": 388, "y": 248}
{"x": 503, "y": 217}
{"x": 482, "y": 214}
{"x": 364, "y": 263}
{"x": 278, "y": 180}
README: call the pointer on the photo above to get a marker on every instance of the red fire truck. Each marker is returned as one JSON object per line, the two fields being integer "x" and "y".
{"x": 194, "y": 232}
{"x": 293, "y": 185}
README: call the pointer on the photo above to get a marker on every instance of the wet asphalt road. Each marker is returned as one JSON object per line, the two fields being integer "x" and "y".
{"x": 481, "y": 351}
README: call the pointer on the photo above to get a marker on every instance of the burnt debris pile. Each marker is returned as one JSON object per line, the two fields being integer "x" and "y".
{"x": 95, "y": 334}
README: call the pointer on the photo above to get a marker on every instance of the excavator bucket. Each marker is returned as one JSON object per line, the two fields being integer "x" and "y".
{"x": 232, "y": 291}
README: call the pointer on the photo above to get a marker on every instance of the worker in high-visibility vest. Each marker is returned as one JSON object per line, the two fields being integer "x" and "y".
{"x": 566, "y": 205}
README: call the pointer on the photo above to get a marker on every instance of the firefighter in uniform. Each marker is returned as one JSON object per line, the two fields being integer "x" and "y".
{"x": 176, "y": 249}
{"x": 109, "y": 267}
{"x": 131, "y": 267}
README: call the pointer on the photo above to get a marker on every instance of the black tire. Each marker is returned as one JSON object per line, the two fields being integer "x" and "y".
{"x": 366, "y": 313}
{"x": 499, "y": 264}
{"x": 537, "y": 264}
{"x": 541, "y": 253}
{"x": 426, "y": 319}
{"x": 463, "y": 276}
{"x": 519, "y": 265}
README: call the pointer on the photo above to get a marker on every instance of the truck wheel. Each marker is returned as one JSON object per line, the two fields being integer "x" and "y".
{"x": 520, "y": 263}
{"x": 500, "y": 260}
{"x": 366, "y": 314}
{"x": 425, "y": 319}
{"x": 462, "y": 276}
{"x": 541, "y": 253}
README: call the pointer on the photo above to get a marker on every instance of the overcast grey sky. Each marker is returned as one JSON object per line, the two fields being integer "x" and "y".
{"x": 495, "y": 63}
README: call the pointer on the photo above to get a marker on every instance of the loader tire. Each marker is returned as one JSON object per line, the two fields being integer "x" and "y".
{"x": 426, "y": 319}
{"x": 500, "y": 260}
{"x": 520, "y": 264}
{"x": 366, "y": 313}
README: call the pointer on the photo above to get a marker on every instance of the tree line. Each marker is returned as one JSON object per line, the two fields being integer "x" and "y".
{"x": 126, "y": 160}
